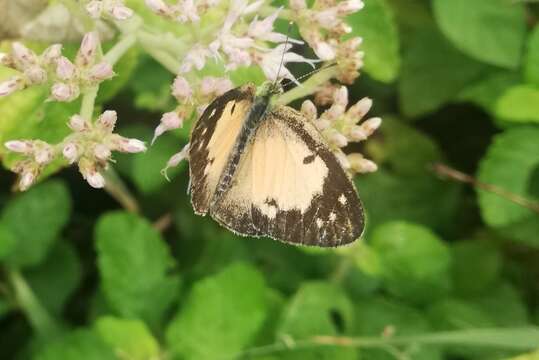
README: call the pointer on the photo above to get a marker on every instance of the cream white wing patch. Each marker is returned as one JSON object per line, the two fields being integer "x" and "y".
{"x": 212, "y": 141}
{"x": 289, "y": 186}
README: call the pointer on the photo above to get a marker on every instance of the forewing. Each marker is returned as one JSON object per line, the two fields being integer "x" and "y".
{"x": 290, "y": 186}
{"x": 212, "y": 140}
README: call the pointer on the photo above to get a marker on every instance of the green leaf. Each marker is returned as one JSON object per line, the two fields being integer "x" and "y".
{"x": 492, "y": 31}
{"x": 415, "y": 262}
{"x": 531, "y": 63}
{"x": 130, "y": 339}
{"x": 430, "y": 60}
{"x": 7, "y": 241}
{"x": 81, "y": 344}
{"x": 376, "y": 25}
{"x": 531, "y": 356}
{"x": 221, "y": 315}
{"x": 476, "y": 266}
{"x": 134, "y": 263}
{"x": 54, "y": 280}
{"x": 519, "y": 104}
{"x": 35, "y": 219}
{"x": 504, "y": 305}
{"x": 151, "y": 86}
{"x": 376, "y": 315}
{"x": 509, "y": 164}
{"x": 317, "y": 308}
{"x": 486, "y": 92}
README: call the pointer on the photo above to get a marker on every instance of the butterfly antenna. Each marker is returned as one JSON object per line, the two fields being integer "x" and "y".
{"x": 310, "y": 73}
{"x": 284, "y": 52}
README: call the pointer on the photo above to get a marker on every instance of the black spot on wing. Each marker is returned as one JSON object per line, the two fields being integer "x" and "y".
{"x": 309, "y": 159}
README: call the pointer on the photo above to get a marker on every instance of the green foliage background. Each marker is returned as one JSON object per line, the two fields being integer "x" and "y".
{"x": 456, "y": 81}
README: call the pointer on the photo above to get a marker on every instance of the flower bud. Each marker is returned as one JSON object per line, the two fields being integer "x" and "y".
{"x": 6, "y": 60}
{"x": 100, "y": 72}
{"x": 350, "y": 6}
{"x": 88, "y": 49}
{"x": 19, "y": 146}
{"x": 26, "y": 180}
{"x": 131, "y": 146}
{"x": 35, "y": 75}
{"x": 44, "y": 154}
{"x": 23, "y": 56}
{"x": 181, "y": 89}
{"x": 78, "y": 123}
{"x": 340, "y": 96}
{"x": 11, "y": 85}
{"x": 65, "y": 92}
{"x": 70, "y": 152}
{"x": 94, "y": 9}
{"x": 176, "y": 159}
{"x": 107, "y": 120}
{"x": 309, "y": 110}
{"x": 95, "y": 179}
{"x": 121, "y": 12}
{"x": 51, "y": 53}
{"x": 371, "y": 125}
{"x": 169, "y": 121}
{"x": 361, "y": 165}
{"x": 65, "y": 70}
{"x": 102, "y": 152}
{"x": 158, "y": 6}
{"x": 324, "y": 51}
{"x": 359, "y": 109}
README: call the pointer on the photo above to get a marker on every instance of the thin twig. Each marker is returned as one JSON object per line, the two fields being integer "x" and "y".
{"x": 117, "y": 189}
{"x": 453, "y": 174}
{"x": 163, "y": 223}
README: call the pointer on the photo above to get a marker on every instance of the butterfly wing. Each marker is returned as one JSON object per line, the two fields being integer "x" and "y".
{"x": 212, "y": 140}
{"x": 290, "y": 186}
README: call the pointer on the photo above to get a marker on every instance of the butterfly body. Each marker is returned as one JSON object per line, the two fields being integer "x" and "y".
{"x": 263, "y": 170}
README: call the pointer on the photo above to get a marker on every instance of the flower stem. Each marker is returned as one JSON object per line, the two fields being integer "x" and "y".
{"x": 42, "y": 322}
{"x": 120, "y": 48}
{"x": 117, "y": 189}
{"x": 308, "y": 87}
{"x": 88, "y": 102}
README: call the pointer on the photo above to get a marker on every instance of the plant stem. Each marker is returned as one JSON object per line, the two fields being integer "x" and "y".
{"x": 307, "y": 87}
{"x": 42, "y": 322}
{"x": 88, "y": 102}
{"x": 502, "y": 338}
{"x": 120, "y": 48}
{"x": 117, "y": 189}
{"x": 444, "y": 170}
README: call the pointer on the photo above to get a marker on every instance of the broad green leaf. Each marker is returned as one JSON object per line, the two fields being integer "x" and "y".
{"x": 509, "y": 164}
{"x": 531, "y": 356}
{"x": 519, "y": 104}
{"x": 376, "y": 26}
{"x": 486, "y": 92}
{"x": 54, "y": 280}
{"x": 130, "y": 339}
{"x": 81, "y": 344}
{"x": 317, "y": 308}
{"x": 221, "y": 315}
{"x": 134, "y": 263}
{"x": 35, "y": 219}
{"x": 504, "y": 304}
{"x": 377, "y": 315}
{"x": 476, "y": 266}
{"x": 492, "y": 31}
{"x": 433, "y": 73}
{"x": 531, "y": 64}
{"x": 7, "y": 241}
{"x": 415, "y": 262}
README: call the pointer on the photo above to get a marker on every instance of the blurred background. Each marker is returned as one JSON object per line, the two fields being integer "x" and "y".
{"x": 456, "y": 83}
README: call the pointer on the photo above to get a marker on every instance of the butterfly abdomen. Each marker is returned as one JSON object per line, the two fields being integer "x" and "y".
{"x": 251, "y": 123}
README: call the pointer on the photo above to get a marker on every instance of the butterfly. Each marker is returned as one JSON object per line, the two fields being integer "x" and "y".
{"x": 264, "y": 170}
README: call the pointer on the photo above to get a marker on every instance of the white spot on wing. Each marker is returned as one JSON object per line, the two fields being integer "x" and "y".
{"x": 269, "y": 210}
{"x": 319, "y": 222}
{"x": 213, "y": 112}
{"x": 342, "y": 199}
{"x": 332, "y": 216}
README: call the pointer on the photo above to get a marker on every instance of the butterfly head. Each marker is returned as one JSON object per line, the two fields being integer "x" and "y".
{"x": 269, "y": 88}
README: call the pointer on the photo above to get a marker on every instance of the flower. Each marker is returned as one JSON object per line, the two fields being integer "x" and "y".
{"x": 175, "y": 160}
{"x": 273, "y": 62}
{"x": 169, "y": 121}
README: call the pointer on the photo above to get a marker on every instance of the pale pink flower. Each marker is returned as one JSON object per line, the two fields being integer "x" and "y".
{"x": 95, "y": 179}
{"x": 215, "y": 86}
{"x": 196, "y": 58}
{"x": 11, "y": 85}
{"x": 121, "y": 12}
{"x": 102, "y": 152}
{"x": 263, "y": 30}
{"x": 19, "y": 146}
{"x": 23, "y": 56}
{"x": 43, "y": 154}
{"x": 78, "y": 123}
{"x": 176, "y": 159}
{"x": 26, "y": 180}
{"x": 181, "y": 89}
{"x": 70, "y": 152}
{"x": 169, "y": 121}
{"x": 88, "y": 49}
{"x": 361, "y": 108}
{"x": 158, "y": 7}
{"x": 51, "y": 54}
{"x": 65, "y": 92}
{"x": 187, "y": 11}
{"x": 271, "y": 62}
{"x": 94, "y": 8}
{"x": 107, "y": 120}
{"x": 65, "y": 69}
{"x": 123, "y": 144}
{"x": 361, "y": 165}
{"x": 309, "y": 110}
{"x": 101, "y": 71}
